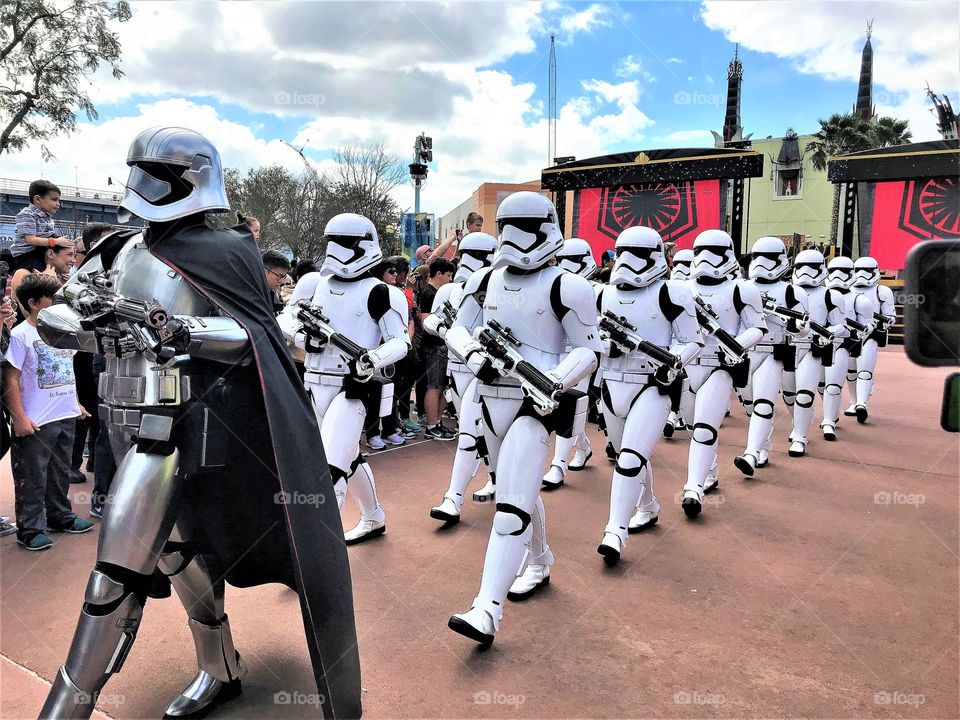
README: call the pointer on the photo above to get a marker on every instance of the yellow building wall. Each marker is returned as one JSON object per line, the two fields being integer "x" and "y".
{"x": 807, "y": 213}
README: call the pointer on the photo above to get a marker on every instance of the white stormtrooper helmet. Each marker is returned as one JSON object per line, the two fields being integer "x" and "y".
{"x": 682, "y": 265}
{"x": 528, "y": 229}
{"x": 640, "y": 258}
{"x": 809, "y": 269}
{"x": 476, "y": 251}
{"x": 352, "y": 246}
{"x": 769, "y": 259}
{"x": 840, "y": 273}
{"x": 576, "y": 256}
{"x": 713, "y": 255}
{"x": 866, "y": 272}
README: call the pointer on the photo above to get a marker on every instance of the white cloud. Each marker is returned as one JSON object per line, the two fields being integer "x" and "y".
{"x": 694, "y": 137}
{"x": 708, "y": 79}
{"x": 674, "y": 61}
{"x": 590, "y": 18}
{"x": 912, "y": 42}
{"x": 632, "y": 66}
{"x": 99, "y": 151}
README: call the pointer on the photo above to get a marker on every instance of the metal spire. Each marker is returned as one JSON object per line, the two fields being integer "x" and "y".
{"x": 552, "y": 110}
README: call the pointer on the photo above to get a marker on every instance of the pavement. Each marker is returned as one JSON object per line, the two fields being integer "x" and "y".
{"x": 827, "y": 587}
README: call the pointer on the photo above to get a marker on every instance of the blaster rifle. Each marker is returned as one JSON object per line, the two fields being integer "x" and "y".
{"x": 772, "y": 309}
{"x": 317, "y": 326}
{"x": 822, "y": 337}
{"x": 500, "y": 346}
{"x": 733, "y": 351}
{"x": 147, "y": 324}
{"x": 448, "y": 314}
{"x": 625, "y": 337}
{"x": 883, "y": 321}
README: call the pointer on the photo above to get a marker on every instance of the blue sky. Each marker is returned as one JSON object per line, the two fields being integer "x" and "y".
{"x": 474, "y": 75}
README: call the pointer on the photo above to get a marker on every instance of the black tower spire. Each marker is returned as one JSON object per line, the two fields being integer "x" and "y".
{"x": 864, "y": 104}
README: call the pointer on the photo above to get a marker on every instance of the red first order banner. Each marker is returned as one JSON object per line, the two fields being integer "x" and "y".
{"x": 679, "y": 211}
{"x": 906, "y": 212}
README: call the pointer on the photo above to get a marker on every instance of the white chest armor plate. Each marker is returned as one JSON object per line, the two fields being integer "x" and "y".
{"x": 133, "y": 381}
{"x": 776, "y": 330}
{"x": 522, "y": 303}
{"x": 720, "y": 299}
{"x": 345, "y": 304}
{"x": 641, "y": 308}
{"x": 868, "y": 301}
{"x": 860, "y": 307}
{"x": 817, "y": 304}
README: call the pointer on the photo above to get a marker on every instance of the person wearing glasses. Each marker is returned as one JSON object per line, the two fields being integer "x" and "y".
{"x": 277, "y": 268}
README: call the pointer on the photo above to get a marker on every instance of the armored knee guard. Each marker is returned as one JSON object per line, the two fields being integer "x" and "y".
{"x": 763, "y": 409}
{"x": 109, "y": 620}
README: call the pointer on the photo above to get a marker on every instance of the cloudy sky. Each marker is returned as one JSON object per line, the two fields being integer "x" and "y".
{"x": 473, "y": 75}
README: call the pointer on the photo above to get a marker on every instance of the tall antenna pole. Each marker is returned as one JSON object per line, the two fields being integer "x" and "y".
{"x": 552, "y": 121}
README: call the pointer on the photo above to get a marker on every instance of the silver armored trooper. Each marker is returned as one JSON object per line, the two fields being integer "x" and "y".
{"x": 330, "y": 311}
{"x": 650, "y": 332}
{"x": 177, "y": 365}
{"x": 515, "y": 323}
{"x": 476, "y": 252}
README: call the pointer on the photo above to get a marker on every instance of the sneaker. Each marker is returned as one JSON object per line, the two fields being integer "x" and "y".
{"x": 439, "y": 432}
{"x": 76, "y": 527}
{"x": 37, "y": 542}
{"x": 96, "y": 511}
{"x": 408, "y": 435}
{"x": 376, "y": 443}
{"x": 410, "y": 426}
{"x": 86, "y": 452}
{"x": 7, "y": 527}
{"x": 395, "y": 439}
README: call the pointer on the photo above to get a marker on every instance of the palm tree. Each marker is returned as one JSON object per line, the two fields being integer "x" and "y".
{"x": 851, "y": 132}
{"x": 887, "y": 132}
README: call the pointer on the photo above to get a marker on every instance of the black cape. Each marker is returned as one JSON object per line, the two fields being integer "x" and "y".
{"x": 276, "y": 448}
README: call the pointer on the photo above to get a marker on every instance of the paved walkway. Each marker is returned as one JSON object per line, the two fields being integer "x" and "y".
{"x": 825, "y": 587}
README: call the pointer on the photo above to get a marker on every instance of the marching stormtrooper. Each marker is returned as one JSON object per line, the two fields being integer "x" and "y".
{"x": 730, "y": 313}
{"x": 815, "y": 351}
{"x": 866, "y": 283}
{"x": 515, "y": 324}
{"x": 476, "y": 252}
{"x": 681, "y": 270}
{"x": 858, "y": 310}
{"x": 650, "y": 330}
{"x": 575, "y": 256}
{"x": 352, "y": 327}
{"x": 776, "y": 355}
{"x": 181, "y": 311}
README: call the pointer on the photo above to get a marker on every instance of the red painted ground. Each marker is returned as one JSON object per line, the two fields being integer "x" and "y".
{"x": 826, "y": 587}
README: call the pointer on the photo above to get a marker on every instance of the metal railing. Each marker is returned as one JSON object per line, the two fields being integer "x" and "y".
{"x": 67, "y": 192}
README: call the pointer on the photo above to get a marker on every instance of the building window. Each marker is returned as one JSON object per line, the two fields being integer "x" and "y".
{"x": 787, "y": 181}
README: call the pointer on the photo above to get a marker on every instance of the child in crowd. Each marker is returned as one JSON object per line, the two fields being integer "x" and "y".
{"x": 35, "y": 228}
{"x": 41, "y": 395}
